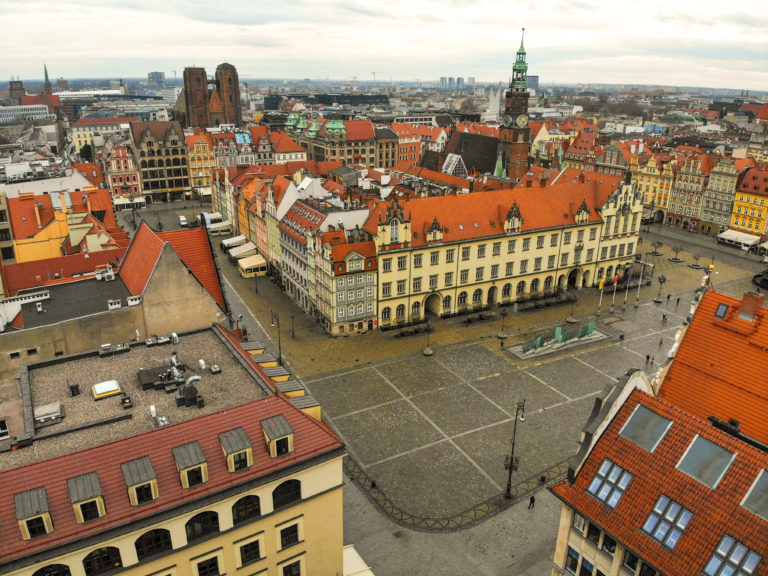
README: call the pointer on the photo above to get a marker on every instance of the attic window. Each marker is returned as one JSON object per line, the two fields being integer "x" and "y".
{"x": 191, "y": 464}
{"x": 756, "y": 500}
{"x": 237, "y": 448}
{"x": 32, "y": 513}
{"x": 279, "y": 435}
{"x": 705, "y": 461}
{"x": 86, "y": 497}
{"x": 732, "y": 557}
{"x": 139, "y": 476}
{"x": 645, "y": 428}
{"x": 721, "y": 311}
{"x": 610, "y": 483}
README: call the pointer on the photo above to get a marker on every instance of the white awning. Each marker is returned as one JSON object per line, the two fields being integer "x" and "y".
{"x": 256, "y": 261}
{"x": 239, "y": 251}
{"x": 121, "y": 201}
{"x": 739, "y": 237}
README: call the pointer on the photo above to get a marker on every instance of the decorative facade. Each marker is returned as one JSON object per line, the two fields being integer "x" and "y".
{"x": 514, "y": 133}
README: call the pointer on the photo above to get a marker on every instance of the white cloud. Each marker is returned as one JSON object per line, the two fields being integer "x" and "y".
{"x": 703, "y": 43}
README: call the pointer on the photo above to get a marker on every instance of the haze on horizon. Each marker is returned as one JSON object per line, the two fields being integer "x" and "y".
{"x": 684, "y": 43}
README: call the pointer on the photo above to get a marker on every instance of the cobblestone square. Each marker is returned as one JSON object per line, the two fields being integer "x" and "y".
{"x": 417, "y": 375}
{"x": 455, "y": 409}
{"x": 571, "y": 377}
{"x": 353, "y": 391}
{"x": 472, "y": 362}
{"x": 506, "y": 389}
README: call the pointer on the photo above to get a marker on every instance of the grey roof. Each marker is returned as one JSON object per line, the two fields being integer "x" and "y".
{"x": 85, "y": 487}
{"x": 304, "y": 402}
{"x": 188, "y": 455}
{"x": 382, "y": 132}
{"x": 289, "y": 386}
{"x": 479, "y": 152}
{"x": 138, "y": 471}
{"x": 30, "y": 503}
{"x": 276, "y": 427}
{"x": 431, "y": 160}
{"x": 274, "y": 371}
{"x": 234, "y": 441}
{"x": 73, "y": 300}
{"x": 252, "y": 346}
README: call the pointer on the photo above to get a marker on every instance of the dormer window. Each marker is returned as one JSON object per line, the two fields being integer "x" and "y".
{"x": 86, "y": 497}
{"x": 33, "y": 514}
{"x": 279, "y": 435}
{"x": 191, "y": 464}
{"x": 237, "y": 449}
{"x": 140, "y": 478}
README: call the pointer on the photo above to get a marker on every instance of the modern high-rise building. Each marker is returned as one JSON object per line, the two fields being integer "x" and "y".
{"x": 459, "y": 83}
{"x": 451, "y": 83}
{"x": 156, "y": 78}
{"x": 443, "y": 83}
{"x": 16, "y": 90}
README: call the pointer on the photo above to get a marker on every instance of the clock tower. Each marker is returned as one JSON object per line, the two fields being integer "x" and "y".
{"x": 514, "y": 133}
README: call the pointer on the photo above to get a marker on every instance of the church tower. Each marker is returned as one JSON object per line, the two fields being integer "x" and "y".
{"x": 47, "y": 88}
{"x": 514, "y": 133}
{"x": 228, "y": 85}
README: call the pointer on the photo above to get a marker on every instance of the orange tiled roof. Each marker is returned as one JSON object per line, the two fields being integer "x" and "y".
{"x": 754, "y": 181}
{"x": 341, "y": 250}
{"x": 87, "y": 169}
{"x": 258, "y": 132}
{"x": 23, "y": 217}
{"x": 715, "y": 512}
{"x": 140, "y": 260}
{"x": 359, "y": 130}
{"x": 284, "y": 144}
{"x": 50, "y": 100}
{"x": 312, "y": 438}
{"x": 194, "y": 249}
{"x": 481, "y": 215}
{"x": 478, "y": 128}
{"x": 199, "y": 137}
{"x": 721, "y": 366}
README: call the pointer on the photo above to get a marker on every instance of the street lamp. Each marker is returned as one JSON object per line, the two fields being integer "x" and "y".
{"x": 276, "y": 321}
{"x": 503, "y": 313}
{"x": 428, "y": 351}
{"x": 512, "y": 462}
{"x": 661, "y": 278}
{"x": 573, "y": 297}
{"x": 293, "y": 332}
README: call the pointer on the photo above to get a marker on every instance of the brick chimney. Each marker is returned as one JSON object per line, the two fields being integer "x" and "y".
{"x": 582, "y": 177}
{"x": 751, "y": 303}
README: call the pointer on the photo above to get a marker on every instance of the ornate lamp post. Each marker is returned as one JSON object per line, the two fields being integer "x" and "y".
{"x": 661, "y": 278}
{"x": 276, "y": 322}
{"x": 512, "y": 462}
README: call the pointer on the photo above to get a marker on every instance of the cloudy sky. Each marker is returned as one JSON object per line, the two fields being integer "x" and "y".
{"x": 681, "y": 42}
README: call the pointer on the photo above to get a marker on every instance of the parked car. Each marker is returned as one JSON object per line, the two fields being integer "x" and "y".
{"x": 183, "y": 221}
{"x": 760, "y": 280}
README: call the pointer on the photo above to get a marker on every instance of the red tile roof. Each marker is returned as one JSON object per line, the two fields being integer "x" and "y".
{"x": 284, "y": 144}
{"x": 754, "y": 181}
{"x": 704, "y": 379}
{"x": 478, "y": 128}
{"x": 300, "y": 219}
{"x": 23, "y": 275}
{"x": 50, "y": 100}
{"x": 140, "y": 260}
{"x": 258, "y": 132}
{"x": 23, "y": 214}
{"x": 482, "y": 214}
{"x": 194, "y": 249}
{"x": 311, "y": 440}
{"x": 91, "y": 171}
{"x": 359, "y": 130}
{"x": 715, "y": 512}
{"x": 341, "y": 250}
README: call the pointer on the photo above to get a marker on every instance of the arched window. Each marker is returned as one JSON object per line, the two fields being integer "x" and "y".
{"x": 393, "y": 231}
{"x": 462, "y": 300}
{"x": 246, "y": 508}
{"x": 287, "y": 493}
{"x": 153, "y": 542}
{"x": 506, "y": 291}
{"x": 415, "y": 309}
{"x": 548, "y": 283}
{"x": 102, "y": 560}
{"x": 53, "y": 570}
{"x": 386, "y": 314}
{"x": 400, "y": 312}
{"x": 143, "y": 162}
{"x": 477, "y": 296}
{"x": 447, "y": 303}
{"x": 600, "y": 274}
{"x": 609, "y": 274}
{"x": 535, "y": 285}
{"x": 521, "y": 287}
{"x": 201, "y": 525}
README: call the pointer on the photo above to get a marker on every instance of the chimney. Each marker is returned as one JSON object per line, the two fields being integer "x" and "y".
{"x": 528, "y": 183}
{"x": 543, "y": 182}
{"x": 582, "y": 177}
{"x": 37, "y": 214}
{"x": 751, "y": 303}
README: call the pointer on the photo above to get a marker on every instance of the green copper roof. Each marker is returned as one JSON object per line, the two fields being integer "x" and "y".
{"x": 45, "y": 67}
{"x": 499, "y": 171}
{"x": 521, "y": 50}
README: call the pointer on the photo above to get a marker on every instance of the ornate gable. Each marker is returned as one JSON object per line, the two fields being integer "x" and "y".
{"x": 583, "y": 213}
{"x": 514, "y": 220}
{"x": 435, "y": 231}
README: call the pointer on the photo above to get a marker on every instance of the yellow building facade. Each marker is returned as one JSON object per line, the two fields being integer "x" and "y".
{"x": 654, "y": 181}
{"x": 750, "y": 213}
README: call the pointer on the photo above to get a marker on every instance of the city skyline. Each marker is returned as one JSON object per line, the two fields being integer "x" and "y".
{"x": 685, "y": 44}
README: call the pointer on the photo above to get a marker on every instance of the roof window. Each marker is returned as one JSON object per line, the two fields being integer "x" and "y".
{"x": 141, "y": 480}
{"x": 32, "y": 513}
{"x": 705, "y": 461}
{"x": 645, "y": 428}
{"x": 279, "y": 435}
{"x": 86, "y": 497}
{"x": 732, "y": 558}
{"x": 721, "y": 311}
{"x": 756, "y": 500}
{"x": 191, "y": 464}
{"x": 667, "y": 521}
{"x": 237, "y": 449}
{"x": 610, "y": 483}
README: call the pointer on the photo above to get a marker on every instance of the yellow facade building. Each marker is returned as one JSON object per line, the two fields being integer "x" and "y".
{"x": 750, "y": 213}
{"x": 654, "y": 181}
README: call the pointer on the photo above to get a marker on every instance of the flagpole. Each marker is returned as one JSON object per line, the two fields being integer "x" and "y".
{"x": 637, "y": 300}
{"x": 615, "y": 285}
{"x": 629, "y": 279}
{"x": 600, "y": 303}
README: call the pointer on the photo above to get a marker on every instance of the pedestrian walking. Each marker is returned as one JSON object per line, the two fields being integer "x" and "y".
{"x": 531, "y": 502}
{"x": 661, "y": 341}
{"x": 677, "y": 303}
{"x": 668, "y": 295}
{"x": 647, "y": 359}
{"x": 664, "y": 318}
{"x": 653, "y": 358}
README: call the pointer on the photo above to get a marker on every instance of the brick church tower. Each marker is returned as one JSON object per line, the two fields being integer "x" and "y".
{"x": 228, "y": 86}
{"x": 196, "y": 97}
{"x": 514, "y": 133}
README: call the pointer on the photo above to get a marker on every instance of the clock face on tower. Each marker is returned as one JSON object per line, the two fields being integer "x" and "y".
{"x": 522, "y": 121}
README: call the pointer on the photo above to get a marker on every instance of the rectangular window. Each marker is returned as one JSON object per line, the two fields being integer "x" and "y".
{"x": 340, "y": 283}
{"x": 540, "y": 241}
{"x": 292, "y": 569}
{"x": 537, "y": 263}
{"x": 621, "y": 250}
{"x": 240, "y": 461}
{"x": 36, "y": 527}
{"x": 434, "y": 258}
{"x": 449, "y": 278}
{"x": 465, "y": 253}
{"x": 464, "y": 277}
{"x": 449, "y": 255}
{"x": 495, "y": 271}
{"x": 289, "y": 536}
{"x": 401, "y": 287}
{"x": 194, "y": 476}
{"x": 564, "y": 259}
{"x": 526, "y": 243}
{"x": 479, "y": 274}
{"x": 571, "y": 561}
{"x": 481, "y": 251}
{"x": 590, "y": 254}
{"x": 250, "y": 552}
{"x": 511, "y": 246}
{"x": 732, "y": 557}
{"x": 610, "y": 483}
{"x": 667, "y": 522}
{"x": 417, "y": 260}
{"x": 551, "y": 261}
{"x": 433, "y": 282}
{"x": 402, "y": 262}
{"x": 386, "y": 289}
{"x": 144, "y": 493}
{"x": 580, "y": 236}
{"x": 553, "y": 240}
{"x": 579, "y": 522}
{"x": 417, "y": 284}
{"x": 613, "y": 251}
{"x": 208, "y": 567}
{"x": 496, "y": 248}
{"x": 386, "y": 266}
{"x": 567, "y": 238}
{"x": 592, "y": 233}
{"x": 593, "y": 534}
{"x": 523, "y": 266}
{"x": 510, "y": 269}
{"x": 604, "y": 252}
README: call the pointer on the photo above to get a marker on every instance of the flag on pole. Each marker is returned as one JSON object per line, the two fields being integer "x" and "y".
{"x": 602, "y": 283}
{"x": 615, "y": 280}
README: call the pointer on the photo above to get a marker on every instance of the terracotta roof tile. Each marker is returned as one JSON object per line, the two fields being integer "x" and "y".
{"x": 715, "y": 511}
{"x": 359, "y": 130}
{"x": 311, "y": 439}
{"x": 140, "y": 259}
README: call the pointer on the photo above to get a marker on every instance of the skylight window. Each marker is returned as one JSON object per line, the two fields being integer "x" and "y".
{"x": 645, "y": 428}
{"x": 732, "y": 558}
{"x": 705, "y": 461}
{"x": 721, "y": 310}
{"x": 756, "y": 500}
{"x": 667, "y": 522}
{"x": 610, "y": 483}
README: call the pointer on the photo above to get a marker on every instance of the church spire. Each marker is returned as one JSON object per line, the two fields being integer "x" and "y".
{"x": 47, "y": 88}
{"x": 520, "y": 68}
{"x": 45, "y": 67}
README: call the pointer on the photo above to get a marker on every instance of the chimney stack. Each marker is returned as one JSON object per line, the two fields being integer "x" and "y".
{"x": 751, "y": 303}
